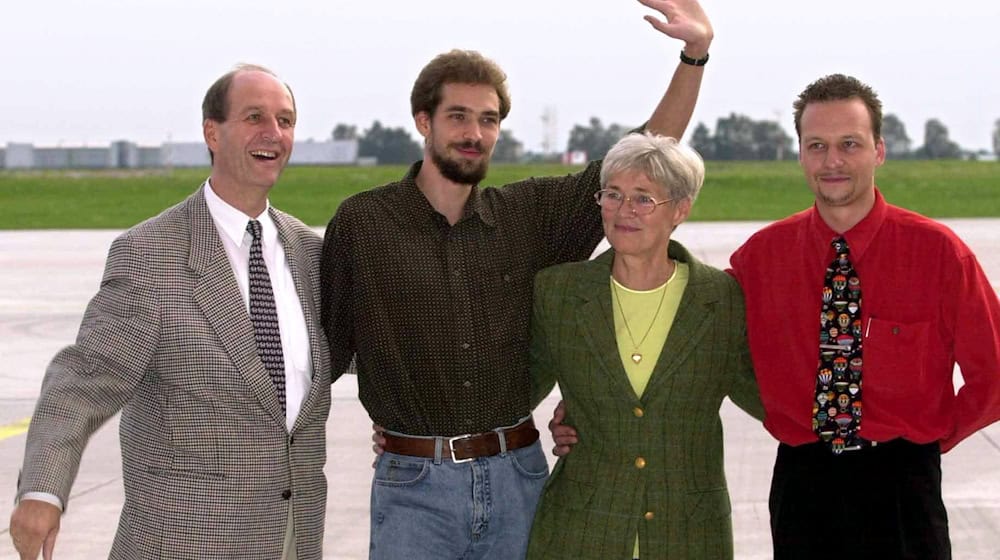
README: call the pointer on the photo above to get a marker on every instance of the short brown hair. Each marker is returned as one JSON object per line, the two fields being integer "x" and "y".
{"x": 457, "y": 67}
{"x": 838, "y": 87}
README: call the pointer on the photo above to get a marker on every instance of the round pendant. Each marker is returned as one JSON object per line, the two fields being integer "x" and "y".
{"x": 636, "y": 357}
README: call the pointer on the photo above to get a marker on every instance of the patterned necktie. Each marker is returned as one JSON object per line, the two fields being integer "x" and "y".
{"x": 837, "y": 408}
{"x": 264, "y": 316}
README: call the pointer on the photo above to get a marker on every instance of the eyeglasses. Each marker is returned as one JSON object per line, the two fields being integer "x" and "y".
{"x": 642, "y": 204}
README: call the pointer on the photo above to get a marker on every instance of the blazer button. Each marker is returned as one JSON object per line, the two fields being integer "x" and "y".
{"x": 286, "y": 494}
{"x": 638, "y": 412}
{"x": 640, "y": 463}
{"x": 649, "y": 516}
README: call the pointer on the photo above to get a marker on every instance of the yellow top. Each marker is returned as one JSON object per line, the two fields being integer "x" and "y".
{"x": 649, "y": 314}
{"x": 642, "y": 336}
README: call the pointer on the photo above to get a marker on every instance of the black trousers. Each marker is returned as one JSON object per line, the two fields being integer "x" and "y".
{"x": 879, "y": 503}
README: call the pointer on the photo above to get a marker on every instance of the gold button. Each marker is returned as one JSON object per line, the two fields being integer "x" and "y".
{"x": 640, "y": 463}
{"x": 638, "y": 412}
{"x": 649, "y": 516}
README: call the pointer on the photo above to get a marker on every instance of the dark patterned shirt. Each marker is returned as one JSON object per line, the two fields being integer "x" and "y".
{"x": 437, "y": 315}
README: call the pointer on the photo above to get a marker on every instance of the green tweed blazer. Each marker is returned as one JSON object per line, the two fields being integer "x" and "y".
{"x": 652, "y": 465}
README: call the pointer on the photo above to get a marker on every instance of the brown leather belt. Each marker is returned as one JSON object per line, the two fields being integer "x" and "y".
{"x": 465, "y": 447}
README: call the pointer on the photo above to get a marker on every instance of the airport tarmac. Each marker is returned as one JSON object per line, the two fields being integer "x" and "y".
{"x": 47, "y": 278}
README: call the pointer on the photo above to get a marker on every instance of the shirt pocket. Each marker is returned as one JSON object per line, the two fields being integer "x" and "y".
{"x": 895, "y": 357}
{"x": 507, "y": 282}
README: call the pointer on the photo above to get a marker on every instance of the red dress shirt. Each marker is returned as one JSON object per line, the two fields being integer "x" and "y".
{"x": 926, "y": 304}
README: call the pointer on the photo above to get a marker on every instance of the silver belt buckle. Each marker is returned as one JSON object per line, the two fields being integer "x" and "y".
{"x": 451, "y": 448}
{"x": 860, "y": 446}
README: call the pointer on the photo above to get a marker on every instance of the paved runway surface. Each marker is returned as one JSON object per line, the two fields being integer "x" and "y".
{"x": 47, "y": 277}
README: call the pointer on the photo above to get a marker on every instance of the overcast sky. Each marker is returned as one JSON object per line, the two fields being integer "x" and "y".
{"x": 89, "y": 72}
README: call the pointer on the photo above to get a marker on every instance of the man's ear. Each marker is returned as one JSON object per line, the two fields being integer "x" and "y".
{"x": 423, "y": 122}
{"x": 210, "y": 130}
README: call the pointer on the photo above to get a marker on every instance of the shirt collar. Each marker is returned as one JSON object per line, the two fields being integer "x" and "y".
{"x": 233, "y": 223}
{"x": 859, "y": 237}
{"x": 414, "y": 201}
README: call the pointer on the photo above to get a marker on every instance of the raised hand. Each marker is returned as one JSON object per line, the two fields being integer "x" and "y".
{"x": 686, "y": 21}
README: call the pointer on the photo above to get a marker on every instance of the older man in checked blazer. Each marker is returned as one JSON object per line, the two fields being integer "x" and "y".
{"x": 205, "y": 335}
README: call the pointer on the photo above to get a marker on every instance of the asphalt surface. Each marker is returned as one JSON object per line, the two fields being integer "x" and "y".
{"x": 47, "y": 278}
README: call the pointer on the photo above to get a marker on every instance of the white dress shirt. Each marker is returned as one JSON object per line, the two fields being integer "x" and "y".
{"x": 232, "y": 227}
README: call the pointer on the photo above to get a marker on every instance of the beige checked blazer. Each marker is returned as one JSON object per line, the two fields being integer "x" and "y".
{"x": 209, "y": 466}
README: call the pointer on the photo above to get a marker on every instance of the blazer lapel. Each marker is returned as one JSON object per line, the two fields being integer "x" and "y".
{"x": 597, "y": 323}
{"x": 301, "y": 269}
{"x": 694, "y": 315}
{"x": 218, "y": 296}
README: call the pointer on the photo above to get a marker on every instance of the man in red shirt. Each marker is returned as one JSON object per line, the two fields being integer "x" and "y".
{"x": 921, "y": 303}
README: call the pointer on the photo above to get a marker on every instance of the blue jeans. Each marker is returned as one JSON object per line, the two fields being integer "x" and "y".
{"x": 480, "y": 509}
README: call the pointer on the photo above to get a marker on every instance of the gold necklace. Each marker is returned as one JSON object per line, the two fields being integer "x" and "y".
{"x": 636, "y": 355}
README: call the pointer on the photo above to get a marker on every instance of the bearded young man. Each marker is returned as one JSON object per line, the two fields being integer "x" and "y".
{"x": 427, "y": 283}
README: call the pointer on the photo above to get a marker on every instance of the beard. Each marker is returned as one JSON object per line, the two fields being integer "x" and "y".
{"x": 839, "y": 199}
{"x": 463, "y": 172}
{"x": 841, "y": 196}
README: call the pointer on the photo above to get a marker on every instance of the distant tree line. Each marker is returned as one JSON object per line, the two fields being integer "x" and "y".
{"x": 396, "y": 146}
{"x": 595, "y": 140}
{"x": 937, "y": 144}
{"x": 736, "y": 137}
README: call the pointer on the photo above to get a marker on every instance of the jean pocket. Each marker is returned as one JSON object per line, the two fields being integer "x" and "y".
{"x": 398, "y": 470}
{"x": 530, "y": 461}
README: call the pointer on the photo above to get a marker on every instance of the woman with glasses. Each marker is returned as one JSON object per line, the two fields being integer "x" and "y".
{"x": 644, "y": 341}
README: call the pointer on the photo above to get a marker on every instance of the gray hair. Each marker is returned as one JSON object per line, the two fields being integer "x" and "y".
{"x": 665, "y": 161}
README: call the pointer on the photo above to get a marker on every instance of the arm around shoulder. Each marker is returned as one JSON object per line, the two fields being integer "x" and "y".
{"x": 743, "y": 391}
{"x": 543, "y": 376}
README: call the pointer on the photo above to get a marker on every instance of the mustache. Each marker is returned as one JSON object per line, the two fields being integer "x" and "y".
{"x": 468, "y": 144}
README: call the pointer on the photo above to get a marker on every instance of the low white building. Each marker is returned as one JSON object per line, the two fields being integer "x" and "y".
{"x": 329, "y": 152}
{"x": 128, "y": 155}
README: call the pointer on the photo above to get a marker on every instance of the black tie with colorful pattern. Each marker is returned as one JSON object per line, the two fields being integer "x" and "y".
{"x": 837, "y": 408}
{"x": 264, "y": 315}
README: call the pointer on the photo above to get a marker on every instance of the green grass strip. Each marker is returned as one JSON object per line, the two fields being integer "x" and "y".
{"x": 732, "y": 191}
